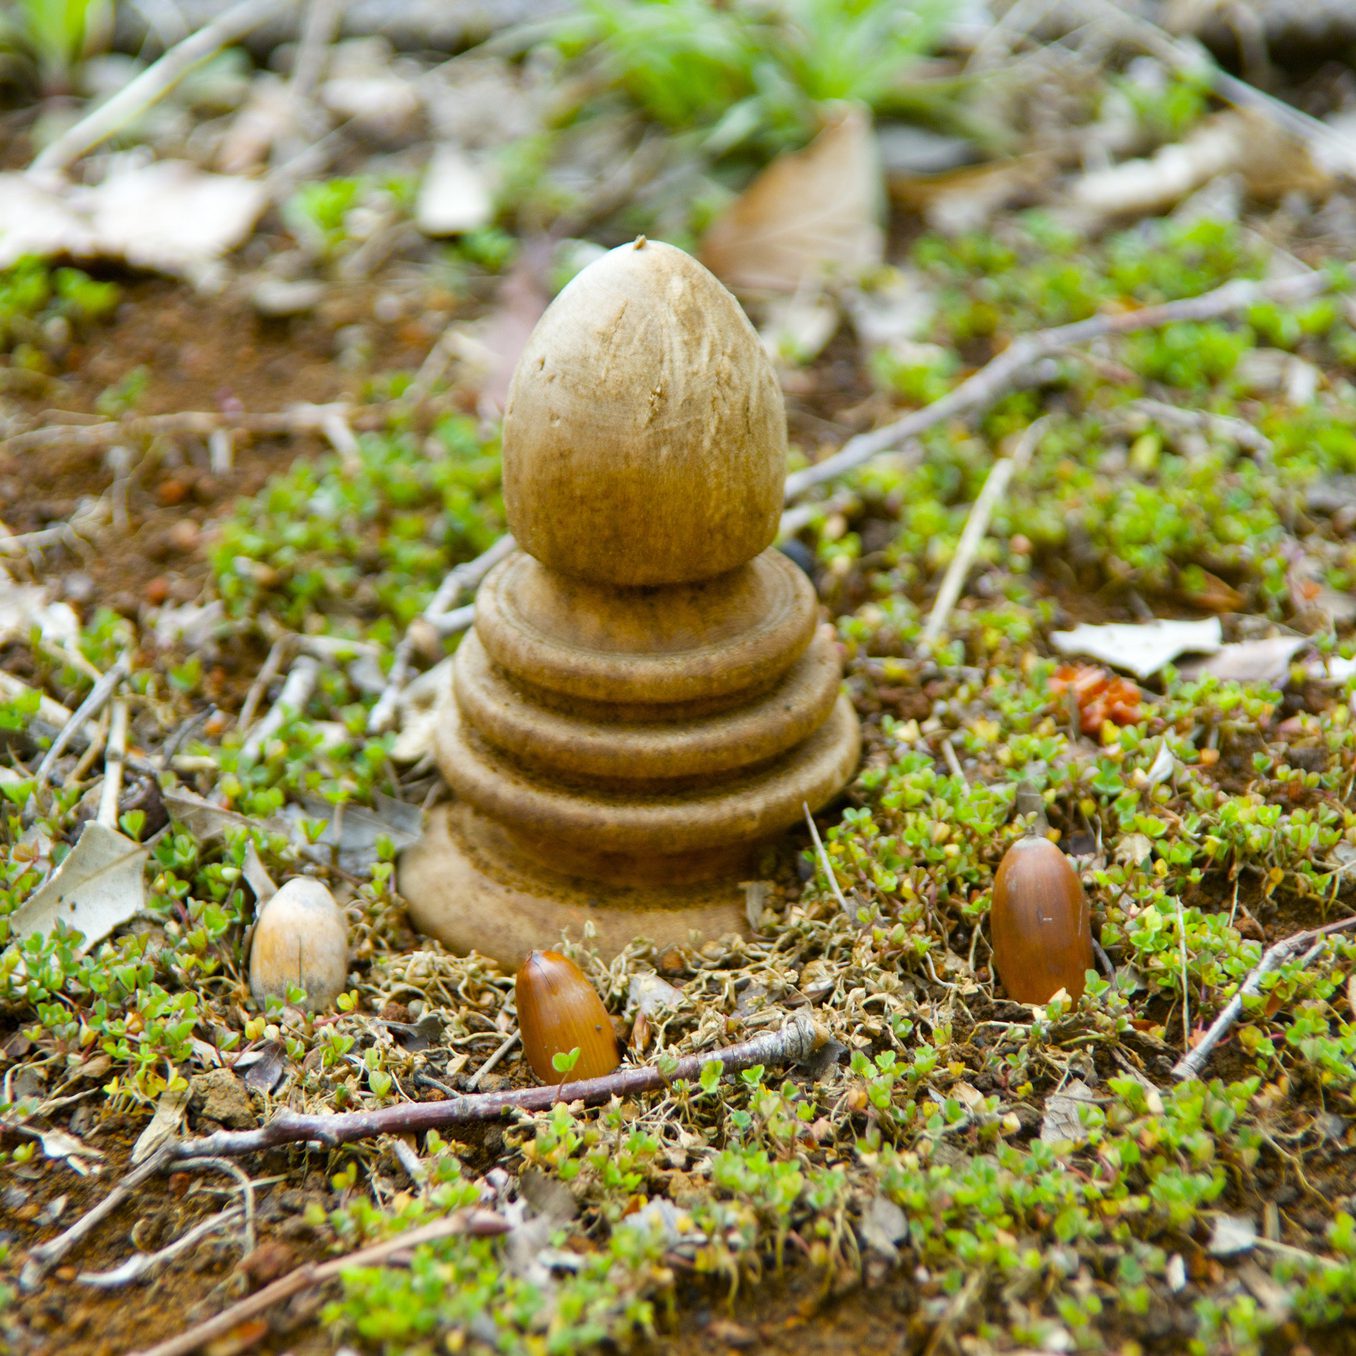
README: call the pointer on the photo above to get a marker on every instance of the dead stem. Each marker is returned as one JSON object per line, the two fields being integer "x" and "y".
{"x": 1191, "y": 1063}
{"x": 789, "y": 1044}
{"x": 478, "y": 1222}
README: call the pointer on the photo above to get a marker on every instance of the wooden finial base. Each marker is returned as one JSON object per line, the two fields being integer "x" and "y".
{"x": 470, "y": 886}
{"x": 649, "y": 695}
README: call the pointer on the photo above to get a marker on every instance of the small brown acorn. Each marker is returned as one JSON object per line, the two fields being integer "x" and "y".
{"x": 1042, "y": 934}
{"x": 559, "y": 1011}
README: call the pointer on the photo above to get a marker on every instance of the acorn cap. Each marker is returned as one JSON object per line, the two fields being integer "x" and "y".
{"x": 645, "y": 436}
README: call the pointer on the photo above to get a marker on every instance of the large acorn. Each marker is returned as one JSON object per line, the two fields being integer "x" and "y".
{"x": 1042, "y": 934}
{"x": 560, "y": 1011}
{"x": 684, "y": 484}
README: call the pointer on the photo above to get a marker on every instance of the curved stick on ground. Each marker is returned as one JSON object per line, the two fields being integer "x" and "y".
{"x": 311, "y": 1274}
{"x": 790, "y": 1044}
{"x": 1001, "y": 374}
{"x": 1191, "y": 1063}
{"x": 154, "y": 83}
{"x": 464, "y": 578}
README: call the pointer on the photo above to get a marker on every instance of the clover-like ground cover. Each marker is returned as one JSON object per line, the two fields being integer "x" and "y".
{"x": 999, "y": 1178}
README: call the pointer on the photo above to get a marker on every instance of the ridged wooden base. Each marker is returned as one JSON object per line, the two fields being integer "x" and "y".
{"x": 470, "y": 886}
{"x": 619, "y": 756}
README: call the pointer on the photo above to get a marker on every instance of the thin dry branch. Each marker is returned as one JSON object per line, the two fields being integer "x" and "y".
{"x": 789, "y": 1044}
{"x": 154, "y": 83}
{"x": 46, "y": 1255}
{"x": 179, "y": 423}
{"x": 472, "y": 1221}
{"x": 297, "y": 689}
{"x": 464, "y": 578}
{"x": 976, "y": 525}
{"x": 1191, "y": 1063}
{"x": 1002, "y": 373}
{"x": 94, "y": 703}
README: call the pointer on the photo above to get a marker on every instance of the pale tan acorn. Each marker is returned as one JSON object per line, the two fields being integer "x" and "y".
{"x": 694, "y": 469}
{"x": 1042, "y": 934}
{"x": 559, "y": 1011}
{"x": 301, "y": 939}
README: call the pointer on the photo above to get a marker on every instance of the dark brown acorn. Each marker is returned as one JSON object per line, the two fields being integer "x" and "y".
{"x": 1042, "y": 934}
{"x": 559, "y": 1011}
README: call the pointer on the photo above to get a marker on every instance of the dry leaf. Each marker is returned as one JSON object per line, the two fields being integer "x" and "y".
{"x": 1141, "y": 649}
{"x": 1251, "y": 661}
{"x": 796, "y": 329}
{"x": 423, "y": 707}
{"x": 454, "y": 197}
{"x": 257, "y": 877}
{"x": 201, "y": 818}
{"x": 164, "y": 1126}
{"x": 169, "y": 217}
{"x": 1231, "y": 1235}
{"x": 810, "y": 215}
{"x": 351, "y": 831}
{"x": 65, "y": 1148}
{"x": 965, "y": 199}
{"x": 25, "y": 606}
{"x": 884, "y": 1226}
{"x": 1062, "y": 1119}
{"x": 98, "y": 887}
{"x": 1271, "y": 161}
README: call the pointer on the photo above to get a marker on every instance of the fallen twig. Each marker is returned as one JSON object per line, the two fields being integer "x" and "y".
{"x": 297, "y": 689}
{"x": 824, "y": 860}
{"x": 142, "y": 1264}
{"x": 999, "y": 374}
{"x": 115, "y": 760}
{"x": 500, "y": 1051}
{"x": 180, "y": 423}
{"x": 793, "y": 1042}
{"x": 464, "y": 578}
{"x": 472, "y": 1221}
{"x": 153, "y": 83}
{"x": 1191, "y": 1063}
{"x": 90, "y": 707}
{"x": 976, "y": 525}
{"x": 46, "y": 1255}
{"x": 1226, "y": 426}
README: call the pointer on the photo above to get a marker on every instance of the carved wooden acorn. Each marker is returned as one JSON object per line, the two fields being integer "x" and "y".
{"x": 1042, "y": 934}
{"x": 560, "y": 1011}
{"x": 649, "y": 695}
{"x": 301, "y": 939}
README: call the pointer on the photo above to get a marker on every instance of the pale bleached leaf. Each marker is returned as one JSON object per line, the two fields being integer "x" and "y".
{"x": 811, "y": 215}
{"x": 99, "y": 886}
{"x": 795, "y": 329}
{"x": 423, "y": 708}
{"x": 454, "y": 197}
{"x": 66, "y": 1148}
{"x": 1063, "y": 1120}
{"x": 1231, "y": 1235}
{"x": 26, "y": 606}
{"x": 164, "y": 1126}
{"x": 884, "y": 1226}
{"x": 256, "y": 875}
{"x": 1251, "y": 661}
{"x": 1141, "y": 648}
{"x": 169, "y": 216}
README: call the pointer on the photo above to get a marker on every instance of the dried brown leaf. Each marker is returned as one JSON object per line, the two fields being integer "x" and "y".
{"x": 810, "y": 215}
